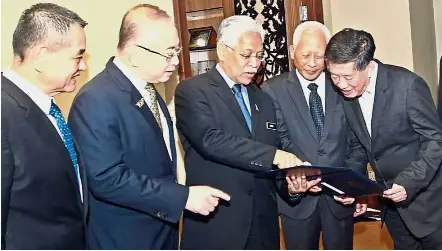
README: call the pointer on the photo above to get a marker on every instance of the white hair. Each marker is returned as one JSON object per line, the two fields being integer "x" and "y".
{"x": 231, "y": 29}
{"x": 310, "y": 26}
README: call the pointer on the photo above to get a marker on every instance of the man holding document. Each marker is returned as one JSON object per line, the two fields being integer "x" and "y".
{"x": 312, "y": 124}
{"x": 393, "y": 114}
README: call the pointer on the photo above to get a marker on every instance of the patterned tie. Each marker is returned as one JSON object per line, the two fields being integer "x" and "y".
{"x": 66, "y": 136}
{"x": 316, "y": 109}
{"x": 152, "y": 102}
{"x": 239, "y": 98}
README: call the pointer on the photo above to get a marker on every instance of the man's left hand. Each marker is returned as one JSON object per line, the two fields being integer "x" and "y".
{"x": 360, "y": 209}
{"x": 396, "y": 193}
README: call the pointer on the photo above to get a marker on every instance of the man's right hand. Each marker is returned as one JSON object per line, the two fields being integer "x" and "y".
{"x": 204, "y": 199}
{"x": 285, "y": 159}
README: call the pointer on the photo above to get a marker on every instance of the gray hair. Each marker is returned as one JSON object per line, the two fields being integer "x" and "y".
{"x": 310, "y": 26}
{"x": 233, "y": 27}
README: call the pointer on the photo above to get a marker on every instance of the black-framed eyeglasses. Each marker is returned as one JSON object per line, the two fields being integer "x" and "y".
{"x": 247, "y": 57}
{"x": 168, "y": 57}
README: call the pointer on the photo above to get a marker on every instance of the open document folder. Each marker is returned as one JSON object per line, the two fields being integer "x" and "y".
{"x": 334, "y": 180}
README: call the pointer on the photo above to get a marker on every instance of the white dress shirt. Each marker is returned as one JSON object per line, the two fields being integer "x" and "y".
{"x": 320, "y": 81}
{"x": 366, "y": 101}
{"x": 139, "y": 85}
{"x": 231, "y": 83}
{"x": 42, "y": 100}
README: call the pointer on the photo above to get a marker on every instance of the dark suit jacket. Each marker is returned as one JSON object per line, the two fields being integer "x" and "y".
{"x": 338, "y": 146}
{"x": 439, "y": 106}
{"x": 221, "y": 152}
{"x": 406, "y": 144}
{"x": 41, "y": 204}
{"x": 135, "y": 202}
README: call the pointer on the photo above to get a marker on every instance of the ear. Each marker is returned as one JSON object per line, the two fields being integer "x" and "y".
{"x": 135, "y": 58}
{"x": 221, "y": 51}
{"x": 40, "y": 58}
{"x": 292, "y": 52}
{"x": 370, "y": 67}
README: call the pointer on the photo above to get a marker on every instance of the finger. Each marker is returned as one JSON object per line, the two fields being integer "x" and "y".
{"x": 209, "y": 208}
{"x": 213, "y": 201}
{"x": 203, "y": 211}
{"x": 219, "y": 194}
{"x": 337, "y": 198}
{"x": 304, "y": 182}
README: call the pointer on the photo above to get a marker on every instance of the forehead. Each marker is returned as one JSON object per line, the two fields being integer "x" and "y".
{"x": 76, "y": 38}
{"x": 312, "y": 40}
{"x": 250, "y": 41}
{"x": 161, "y": 35}
{"x": 341, "y": 69}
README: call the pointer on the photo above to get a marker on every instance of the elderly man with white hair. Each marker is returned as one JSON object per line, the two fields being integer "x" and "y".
{"x": 311, "y": 123}
{"x": 228, "y": 130}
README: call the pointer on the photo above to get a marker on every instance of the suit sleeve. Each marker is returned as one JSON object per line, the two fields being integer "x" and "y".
{"x": 285, "y": 144}
{"x": 196, "y": 121}
{"x": 424, "y": 120}
{"x": 7, "y": 178}
{"x": 94, "y": 123}
{"x": 356, "y": 157}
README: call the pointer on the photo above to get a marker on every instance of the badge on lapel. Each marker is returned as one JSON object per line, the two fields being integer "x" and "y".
{"x": 271, "y": 126}
{"x": 140, "y": 103}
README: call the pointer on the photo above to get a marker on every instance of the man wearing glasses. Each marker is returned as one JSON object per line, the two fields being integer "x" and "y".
{"x": 228, "y": 130}
{"x": 125, "y": 135}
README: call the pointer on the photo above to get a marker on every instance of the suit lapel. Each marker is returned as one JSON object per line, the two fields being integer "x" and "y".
{"x": 380, "y": 99}
{"x": 255, "y": 103}
{"x": 43, "y": 126}
{"x": 296, "y": 93}
{"x": 224, "y": 92}
{"x": 166, "y": 113}
{"x": 330, "y": 106}
{"x": 357, "y": 118}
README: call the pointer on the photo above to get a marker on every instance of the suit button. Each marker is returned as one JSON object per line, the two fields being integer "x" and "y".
{"x": 253, "y": 162}
{"x": 321, "y": 152}
{"x": 250, "y": 192}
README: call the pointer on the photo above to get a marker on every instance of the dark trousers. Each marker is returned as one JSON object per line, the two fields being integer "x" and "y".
{"x": 404, "y": 239}
{"x": 260, "y": 237}
{"x": 304, "y": 234}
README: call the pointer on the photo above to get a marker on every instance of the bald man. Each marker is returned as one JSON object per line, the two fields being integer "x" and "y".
{"x": 125, "y": 134}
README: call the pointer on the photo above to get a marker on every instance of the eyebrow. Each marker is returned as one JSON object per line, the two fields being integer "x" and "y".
{"x": 80, "y": 52}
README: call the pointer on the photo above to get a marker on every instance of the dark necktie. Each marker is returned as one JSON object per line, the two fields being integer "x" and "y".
{"x": 242, "y": 104}
{"x": 66, "y": 136}
{"x": 316, "y": 108}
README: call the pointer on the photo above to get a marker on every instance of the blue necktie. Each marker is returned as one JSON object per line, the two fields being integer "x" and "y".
{"x": 316, "y": 109}
{"x": 66, "y": 135}
{"x": 239, "y": 98}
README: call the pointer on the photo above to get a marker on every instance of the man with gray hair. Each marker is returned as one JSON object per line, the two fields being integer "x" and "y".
{"x": 44, "y": 190}
{"x": 312, "y": 124}
{"x": 228, "y": 130}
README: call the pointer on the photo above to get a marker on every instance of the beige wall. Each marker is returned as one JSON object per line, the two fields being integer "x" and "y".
{"x": 437, "y": 7}
{"x": 104, "y": 18}
{"x": 404, "y": 30}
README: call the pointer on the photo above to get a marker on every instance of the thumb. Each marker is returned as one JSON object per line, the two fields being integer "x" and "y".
{"x": 220, "y": 194}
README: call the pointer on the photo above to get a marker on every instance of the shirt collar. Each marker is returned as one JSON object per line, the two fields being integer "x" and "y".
{"x": 138, "y": 83}
{"x": 371, "y": 88}
{"x": 41, "y": 99}
{"x": 226, "y": 78}
{"x": 320, "y": 80}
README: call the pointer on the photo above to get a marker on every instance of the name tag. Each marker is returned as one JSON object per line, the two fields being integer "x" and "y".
{"x": 271, "y": 126}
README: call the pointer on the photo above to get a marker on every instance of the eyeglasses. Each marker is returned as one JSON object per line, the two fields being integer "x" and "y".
{"x": 168, "y": 57}
{"x": 247, "y": 57}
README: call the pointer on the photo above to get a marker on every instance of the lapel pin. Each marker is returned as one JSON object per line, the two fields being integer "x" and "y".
{"x": 140, "y": 103}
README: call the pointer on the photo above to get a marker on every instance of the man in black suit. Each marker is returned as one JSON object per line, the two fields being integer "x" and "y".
{"x": 228, "y": 130}
{"x": 323, "y": 140}
{"x": 43, "y": 186}
{"x": 125, "y": 135}
{"x": 391, "y": 111}
{"x": 439, "y": 106}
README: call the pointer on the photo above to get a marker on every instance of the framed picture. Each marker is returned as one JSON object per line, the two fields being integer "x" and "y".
{"x": 202, "y": 38}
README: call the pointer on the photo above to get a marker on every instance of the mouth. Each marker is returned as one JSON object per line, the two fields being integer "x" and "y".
{"x": 250, "y": 74}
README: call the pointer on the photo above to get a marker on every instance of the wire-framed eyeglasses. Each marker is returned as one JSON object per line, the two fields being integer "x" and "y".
{"x": 168, "y": 56}
{"x": 247, "y": 57}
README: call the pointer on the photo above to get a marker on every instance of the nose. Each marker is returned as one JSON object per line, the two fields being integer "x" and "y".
{"x": 254, "y": 62}
{"x": 82, "y": 66}
{"x": 312, "y": 61}
{"x": 175, "y": 60}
